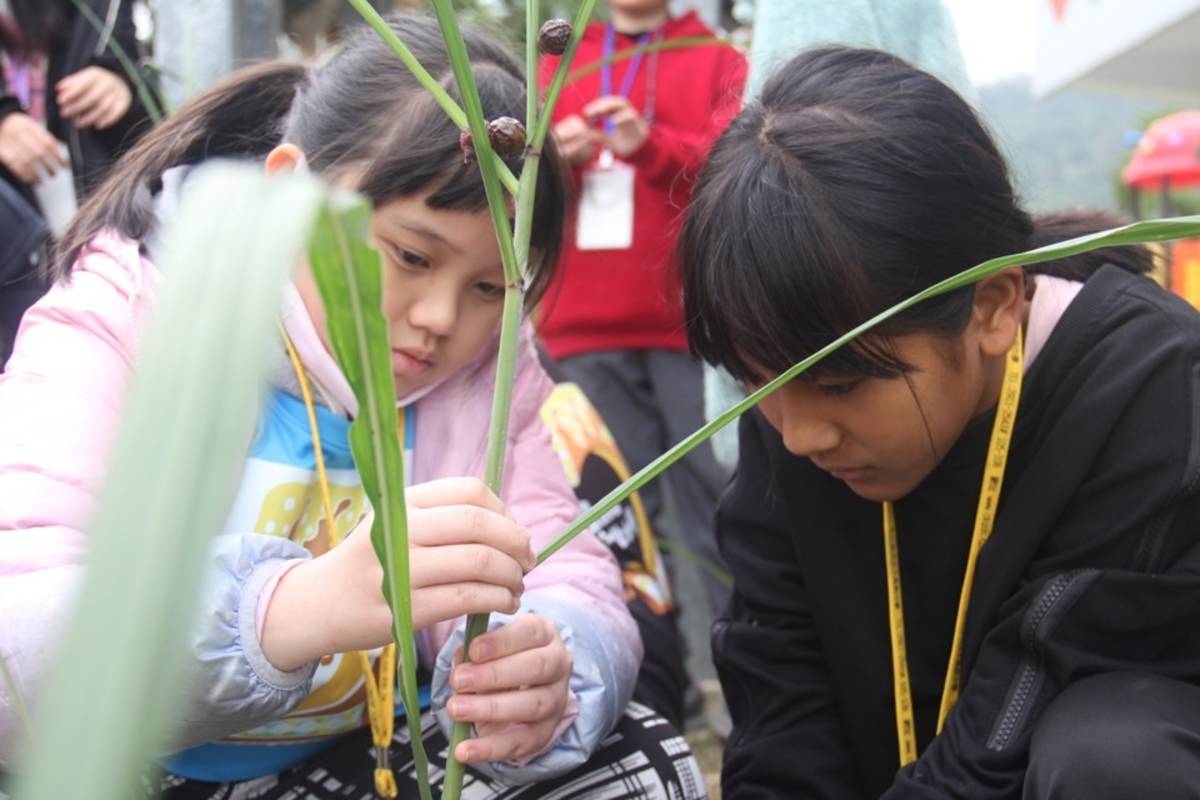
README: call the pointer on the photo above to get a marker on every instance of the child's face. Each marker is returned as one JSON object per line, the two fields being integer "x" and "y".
{"x": 883, "y": 437}
{"x": 872, "y": 433}
{"x": 443, "y": 288}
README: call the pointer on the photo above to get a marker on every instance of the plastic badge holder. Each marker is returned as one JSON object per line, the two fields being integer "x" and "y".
{"x": 56, "y": 195}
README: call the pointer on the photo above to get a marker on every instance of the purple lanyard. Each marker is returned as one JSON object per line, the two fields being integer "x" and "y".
{"x": 606, "y": 71}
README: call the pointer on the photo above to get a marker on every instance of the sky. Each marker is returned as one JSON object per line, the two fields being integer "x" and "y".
{"x": 996, "y": 37}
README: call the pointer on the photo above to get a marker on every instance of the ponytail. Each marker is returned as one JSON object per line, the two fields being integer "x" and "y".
{"x": 1052, "y": 227}
{"x": 243, "y": 116}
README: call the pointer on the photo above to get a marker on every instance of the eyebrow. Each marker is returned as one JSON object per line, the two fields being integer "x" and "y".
{"x": 430, "y": 234}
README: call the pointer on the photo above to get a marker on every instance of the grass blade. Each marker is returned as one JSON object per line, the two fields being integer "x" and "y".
{"x": 1158, "y": 230}
{"x": 184, "y": 429}
{"x": 347, "y": 271}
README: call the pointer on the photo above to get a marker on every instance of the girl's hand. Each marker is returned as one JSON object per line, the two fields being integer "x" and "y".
{"x": 93, "y": 98}
{"x": 577, "y": 141}
{"x": 519, "y": 683}
{"x": 465, "y": 557}
{"x": 630, "y": 131}
{"x": 27, "y": 149}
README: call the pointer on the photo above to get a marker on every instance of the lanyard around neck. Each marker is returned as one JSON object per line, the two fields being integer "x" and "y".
{"x": 985, "y": 518}
{"x": 381, "y": 708}
{"x": 635, "y": 64}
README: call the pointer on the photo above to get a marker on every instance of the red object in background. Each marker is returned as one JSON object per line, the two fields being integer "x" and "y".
{"x": 1060, "y": 8}
{"x": 1168, "y": 154}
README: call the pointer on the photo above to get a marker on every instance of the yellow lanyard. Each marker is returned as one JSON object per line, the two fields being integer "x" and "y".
{"x": 985, "y": 518}
{"x": 381, "y": 709}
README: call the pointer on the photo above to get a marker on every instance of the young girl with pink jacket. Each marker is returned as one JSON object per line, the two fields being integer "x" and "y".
{"x": 272, "y": 696}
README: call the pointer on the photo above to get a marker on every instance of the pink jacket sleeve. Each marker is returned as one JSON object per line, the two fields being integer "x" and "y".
{"x": 59, "y": 402}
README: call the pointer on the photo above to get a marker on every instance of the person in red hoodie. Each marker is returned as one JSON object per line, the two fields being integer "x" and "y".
{"x": 636, "y": 133}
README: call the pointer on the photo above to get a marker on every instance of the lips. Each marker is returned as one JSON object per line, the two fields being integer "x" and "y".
{"x": 410, "y": 361}
{"x": 849, "y": 474}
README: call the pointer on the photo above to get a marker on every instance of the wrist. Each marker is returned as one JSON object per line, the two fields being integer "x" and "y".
{"x": 293, "y": 632}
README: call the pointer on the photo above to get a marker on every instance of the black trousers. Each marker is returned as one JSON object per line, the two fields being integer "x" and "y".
{"x": 1117, "y": 736}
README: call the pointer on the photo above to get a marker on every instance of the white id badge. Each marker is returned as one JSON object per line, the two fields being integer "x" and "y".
{"x": 605, "y": 219}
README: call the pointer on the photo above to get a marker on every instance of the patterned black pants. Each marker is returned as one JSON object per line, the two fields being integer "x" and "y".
{"x": 645, "y": 758}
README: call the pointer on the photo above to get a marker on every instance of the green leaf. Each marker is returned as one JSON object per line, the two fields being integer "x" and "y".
{"x": 1157, "y": 230}
{"x": 347, "y": 271}
{"x": 185, "y": 425}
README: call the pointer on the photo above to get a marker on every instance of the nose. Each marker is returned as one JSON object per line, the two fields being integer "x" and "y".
{"x": 806, "y": 431}
{"x": 435, "y": 309}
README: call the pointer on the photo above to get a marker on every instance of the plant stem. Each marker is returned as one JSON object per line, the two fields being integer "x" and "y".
{"x": 1137, "y": 233}
{"x": 560, "y": 75}
{"x": 531, "y": 63}
{"x": 510, "y": 323}
{"x": 440, "y": 95}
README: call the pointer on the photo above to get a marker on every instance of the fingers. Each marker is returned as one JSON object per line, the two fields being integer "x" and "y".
{"x": 527, "y": 632}
{"x": 532, "y": 705}
{"x": 449, "y": 601}
{"x": 545, "y": 666}
{"x": 29, "y": 150}
{"x": 85, "y": 100}
{"x": 605, "y": 106}
{"x": 466, "y": 563}
{"x": 93, "y": 97}
{"x": 454, "y": 491}
{"x": 570, "y": 126}
{"x": 510, "y": 743}
{"x": 468, "y": 524}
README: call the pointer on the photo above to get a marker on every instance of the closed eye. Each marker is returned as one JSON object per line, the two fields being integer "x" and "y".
{"x": 838, "y": 389}
{"x": 410, "y": 259}
{"x": 490, "y": 290}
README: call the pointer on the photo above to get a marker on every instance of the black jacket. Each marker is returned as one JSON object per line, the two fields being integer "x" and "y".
{"x": 1093, "y": 566}
{"x": 76, "y": 45}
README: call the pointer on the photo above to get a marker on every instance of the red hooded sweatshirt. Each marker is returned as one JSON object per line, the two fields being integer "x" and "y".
{"x": 631, "y": 299}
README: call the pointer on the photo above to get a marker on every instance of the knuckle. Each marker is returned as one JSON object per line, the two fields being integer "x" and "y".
{"x": 478, "y": 560}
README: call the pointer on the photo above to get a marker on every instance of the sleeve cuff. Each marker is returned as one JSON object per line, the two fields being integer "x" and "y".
{"x": 602, "y": 683}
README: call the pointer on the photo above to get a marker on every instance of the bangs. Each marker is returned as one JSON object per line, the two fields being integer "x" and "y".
{"x": 756, "y": 300}
{"x": 424, "y": 155}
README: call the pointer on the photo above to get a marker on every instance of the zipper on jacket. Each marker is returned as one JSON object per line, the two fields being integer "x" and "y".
{"x": 1041, "y": 617}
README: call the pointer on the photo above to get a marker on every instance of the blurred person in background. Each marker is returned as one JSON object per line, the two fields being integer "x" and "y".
{"x": 65, "y": 103}
{"x": 636, "y": 131}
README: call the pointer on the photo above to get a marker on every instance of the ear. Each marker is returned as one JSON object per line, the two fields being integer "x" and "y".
{"x": 998, "y": 311}
{"x": 286, "y": 157}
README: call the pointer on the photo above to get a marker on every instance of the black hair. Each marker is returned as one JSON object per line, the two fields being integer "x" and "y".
{"x": 854, "y": 182}
{"x": 34, "y": 23}
{"x": 362, "y": 113}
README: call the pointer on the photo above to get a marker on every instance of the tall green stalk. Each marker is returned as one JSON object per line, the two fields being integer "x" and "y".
{"x": 510, "y": 324}
{"x": 347, "y": 271}
{"x": 440, "y": 95}
{"x": 1137, "y": 233}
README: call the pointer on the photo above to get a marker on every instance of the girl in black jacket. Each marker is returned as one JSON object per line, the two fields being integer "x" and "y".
{"x": 966, "y": 547}
{"x": 64, "y": 84}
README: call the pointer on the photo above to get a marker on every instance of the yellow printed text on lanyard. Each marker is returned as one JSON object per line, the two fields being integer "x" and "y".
{"x": 985, "y": 518}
